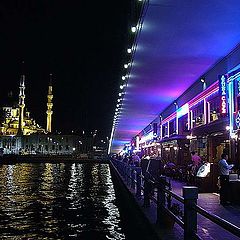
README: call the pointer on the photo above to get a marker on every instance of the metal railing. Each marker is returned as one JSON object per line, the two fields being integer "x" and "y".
{"x": 159, "y": 192}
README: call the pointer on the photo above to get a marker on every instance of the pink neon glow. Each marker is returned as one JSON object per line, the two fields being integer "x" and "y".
{"x": 205, "y": 94}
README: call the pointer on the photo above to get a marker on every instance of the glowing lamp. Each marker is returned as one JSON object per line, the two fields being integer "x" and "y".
{"x": 129, "y": 50}
{"x": 133, "y": 29}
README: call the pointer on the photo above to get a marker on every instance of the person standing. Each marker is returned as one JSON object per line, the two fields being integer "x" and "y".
{"x": 224, "y": 168}
{"x": 196, "y": 160}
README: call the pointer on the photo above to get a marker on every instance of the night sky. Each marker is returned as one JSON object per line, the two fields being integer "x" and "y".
{"x": 83, "y": 43}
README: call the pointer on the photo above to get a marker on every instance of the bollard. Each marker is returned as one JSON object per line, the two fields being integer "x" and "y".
{"x": 190, "y": 195}
{"x": 138, "y": 180}
{"x": 161, "y": 199}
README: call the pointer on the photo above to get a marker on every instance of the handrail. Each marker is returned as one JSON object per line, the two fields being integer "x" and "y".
{"x": 218, "y": 220}
{"x": 179, "y": 198}
{"x": 212, "y": 217}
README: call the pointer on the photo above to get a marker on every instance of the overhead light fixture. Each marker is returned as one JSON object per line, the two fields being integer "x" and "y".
{"x": 202, "y": 79}
{"x": 133, "y": 29}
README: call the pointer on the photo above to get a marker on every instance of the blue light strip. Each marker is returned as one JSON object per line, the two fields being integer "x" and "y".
{"x": 231, "y": 107}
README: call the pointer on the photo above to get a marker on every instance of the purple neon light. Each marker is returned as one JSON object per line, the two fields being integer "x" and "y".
{"x": 179, "y": 42}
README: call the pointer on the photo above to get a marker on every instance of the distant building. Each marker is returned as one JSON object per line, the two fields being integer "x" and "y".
{"x": 41, "y": 144}
{"x": 20, "y": 134}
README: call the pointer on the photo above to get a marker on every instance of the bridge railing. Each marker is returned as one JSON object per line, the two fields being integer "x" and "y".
{"x": 168, "y": 212}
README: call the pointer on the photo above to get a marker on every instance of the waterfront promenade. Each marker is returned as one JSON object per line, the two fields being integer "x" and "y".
{"x": 210, "y": 202}
{"x": 206, "y": 229}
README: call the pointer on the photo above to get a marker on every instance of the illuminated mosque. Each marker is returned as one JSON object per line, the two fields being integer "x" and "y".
{"x": 20, "y": 134}
{"x": 16, "y": 120}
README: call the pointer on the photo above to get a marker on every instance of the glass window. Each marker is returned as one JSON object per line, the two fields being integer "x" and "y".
{"x": 183, "y": 125}
{"x": 172, "y": 127}
{"x": 198, "y": 115}
{"x": 165, "y": 130}
{"x": 214, "y": 109}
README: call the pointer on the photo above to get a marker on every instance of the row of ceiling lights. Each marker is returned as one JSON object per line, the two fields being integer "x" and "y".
{"x": 123, "y": 84}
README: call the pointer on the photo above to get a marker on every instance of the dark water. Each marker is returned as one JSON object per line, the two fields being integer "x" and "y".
{"x": 58, "y": 201}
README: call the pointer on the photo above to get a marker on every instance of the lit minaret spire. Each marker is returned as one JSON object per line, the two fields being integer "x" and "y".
{"x": 49, "y": 106}
{"x": 21, "y": 104}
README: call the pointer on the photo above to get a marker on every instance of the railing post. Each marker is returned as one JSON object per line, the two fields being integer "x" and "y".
{"x": 132, "y": 178}
{"x": 125, "y": 172}
{"x": 147, "y": 191}
{"x": 138, "y": 180}
{"x": 128, "y": 175}
{"x": 161, "y": 199}
{"x": 190, "y": 195}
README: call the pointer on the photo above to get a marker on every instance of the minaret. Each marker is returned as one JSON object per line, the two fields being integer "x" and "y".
{"x": 21, "y": 104}
{"x": 49, "y": 106}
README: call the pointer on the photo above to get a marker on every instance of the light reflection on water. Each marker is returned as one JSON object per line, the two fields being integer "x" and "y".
{"x": 58, "y": 201}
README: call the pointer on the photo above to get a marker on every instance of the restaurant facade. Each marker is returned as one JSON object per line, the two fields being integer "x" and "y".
{"x": 205, "y": 119}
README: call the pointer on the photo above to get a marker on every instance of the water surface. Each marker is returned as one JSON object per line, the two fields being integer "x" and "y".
{"x": 58, "y": 201}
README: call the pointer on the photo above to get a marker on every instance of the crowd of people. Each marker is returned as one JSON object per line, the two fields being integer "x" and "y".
{"x": 130, "y": 159}
{"x": 190, "y": 171}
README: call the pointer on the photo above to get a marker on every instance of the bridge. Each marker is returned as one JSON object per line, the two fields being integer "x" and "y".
{"x": 175, "y": 44}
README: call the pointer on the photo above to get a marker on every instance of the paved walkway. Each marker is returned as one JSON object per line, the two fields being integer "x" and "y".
{"x": 210, "y": 202}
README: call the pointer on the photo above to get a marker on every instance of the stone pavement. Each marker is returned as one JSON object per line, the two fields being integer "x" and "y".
{"x": 210, "y": 202}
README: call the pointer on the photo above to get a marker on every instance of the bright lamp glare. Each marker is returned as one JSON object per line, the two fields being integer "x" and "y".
{"x": 123, "y": 77}
{"x": 133, "y": 29}
{"x": 129, "y": 50}
{"x": 125, "y": 65}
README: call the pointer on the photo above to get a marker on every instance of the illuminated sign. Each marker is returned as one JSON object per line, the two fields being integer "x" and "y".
{"x": 237, "y": 120}
{"x": 223, "y": 93}
{"x": 238, "y": 85}
{"x": 182, "y": 110}
{"x": 146, "y": 138}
